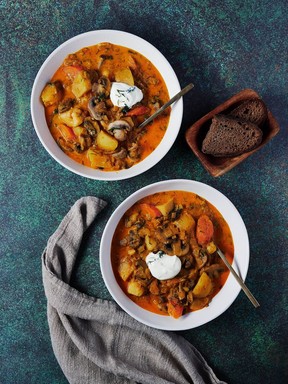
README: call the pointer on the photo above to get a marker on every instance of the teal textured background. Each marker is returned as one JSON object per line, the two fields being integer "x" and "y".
{"x": 222, "y": 47}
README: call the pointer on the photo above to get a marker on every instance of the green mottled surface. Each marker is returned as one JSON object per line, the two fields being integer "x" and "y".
{"x": 222, "y": 47}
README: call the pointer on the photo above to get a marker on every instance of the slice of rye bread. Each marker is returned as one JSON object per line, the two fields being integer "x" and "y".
{"x": 228, "y": 137}
{"x": 253, "y": 110}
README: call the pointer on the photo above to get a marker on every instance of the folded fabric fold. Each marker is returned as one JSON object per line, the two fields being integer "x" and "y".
{"x": 93, "y": 340}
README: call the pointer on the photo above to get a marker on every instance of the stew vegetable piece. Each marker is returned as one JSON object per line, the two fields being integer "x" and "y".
{"x": 95, "y": 102}
{"x": 170, "y": 224}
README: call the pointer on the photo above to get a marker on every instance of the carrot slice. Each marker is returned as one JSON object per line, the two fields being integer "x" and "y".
{"x": 204, "y": 230}
{"x": 72, "y": 70}
{"x": 138, "y": 111}
{"x": 66, "y": 132}
{"x": 151, "y": 210}
{"x": 174, "y": 308}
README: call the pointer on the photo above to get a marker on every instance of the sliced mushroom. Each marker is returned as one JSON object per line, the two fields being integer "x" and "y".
{"x": 134, "y": 151}
{"x": 92, "y": 126}
{"x": 97, "y": 109}
{"x": 184, "y": 249}
{"x": 102, "y": 87}
{"x": 119, "y": 129}
{"x": 120, "y": 154}
{"x": 201, "y": 258}
{"x": 188, "y": 261}
{"x": 64, "y": 105}
{"x": 64, "y": 145}
{"x": 134, "y": 239}
{"x": 177, "y": 248}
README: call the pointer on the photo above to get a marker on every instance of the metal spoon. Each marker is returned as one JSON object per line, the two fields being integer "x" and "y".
{"x": 239, "y": 280}
{"x": 166, "y": 105}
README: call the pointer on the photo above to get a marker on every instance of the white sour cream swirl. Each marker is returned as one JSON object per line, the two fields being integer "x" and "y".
{"x": 163, "y": 266}
{"x": 124, "y": 95}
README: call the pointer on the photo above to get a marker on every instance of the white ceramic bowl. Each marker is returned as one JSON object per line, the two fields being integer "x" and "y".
{"x": 231, "y": 288}
{"x": 53, "y": 62}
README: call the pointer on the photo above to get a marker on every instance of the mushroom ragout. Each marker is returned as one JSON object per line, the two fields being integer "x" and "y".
{"x": 95, "y": 102}
{"x": 164, "y": 252}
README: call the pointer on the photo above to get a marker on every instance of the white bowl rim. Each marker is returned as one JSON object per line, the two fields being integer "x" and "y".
{"x": 54, "y": 60}
{"x": 222, "y": 301}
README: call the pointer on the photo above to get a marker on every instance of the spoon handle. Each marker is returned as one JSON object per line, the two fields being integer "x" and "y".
{"x": 166, "y": 105}
{"x": 239, "y": 280}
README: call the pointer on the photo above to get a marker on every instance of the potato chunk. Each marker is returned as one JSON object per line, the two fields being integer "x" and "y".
{"x": 150, "y": 243}
{"x": 98, "y": 160}
{"x": 211, "y": 247}
{"x": 125, "y": 270}
{"x": 51, "y": 94}
{"x": 203, "y": 287}
{"x": 106, "y": 142}
{"x": 185, "y": 222}
{"x": 124, "y": 76}
{"x": 73, "y": 117}
{"x": 199, "y": 303}
{"x": 166, "y": 208}
{"x": 135, "y": 288}
{"x": 81, "y": 84}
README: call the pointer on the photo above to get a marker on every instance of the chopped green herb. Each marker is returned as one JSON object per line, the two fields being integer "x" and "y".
{"x": 125, "y": 109}
{"x": 101, "y": 97}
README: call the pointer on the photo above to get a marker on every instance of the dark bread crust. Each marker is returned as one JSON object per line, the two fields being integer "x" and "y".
{"x": 229, "y": 136}
{"x": 253, "y": 110}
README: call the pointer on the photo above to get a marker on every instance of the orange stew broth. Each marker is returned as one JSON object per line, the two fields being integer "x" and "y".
{"x": 196, "y": 206}
{"x": 146, "y": 77}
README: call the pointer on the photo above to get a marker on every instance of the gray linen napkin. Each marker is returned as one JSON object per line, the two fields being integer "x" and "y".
{"x": 95, "y": 341}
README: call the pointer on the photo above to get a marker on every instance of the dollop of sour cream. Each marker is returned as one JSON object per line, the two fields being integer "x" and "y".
{"x": 124, "y": 95}
{"x": 163, "y": 266}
